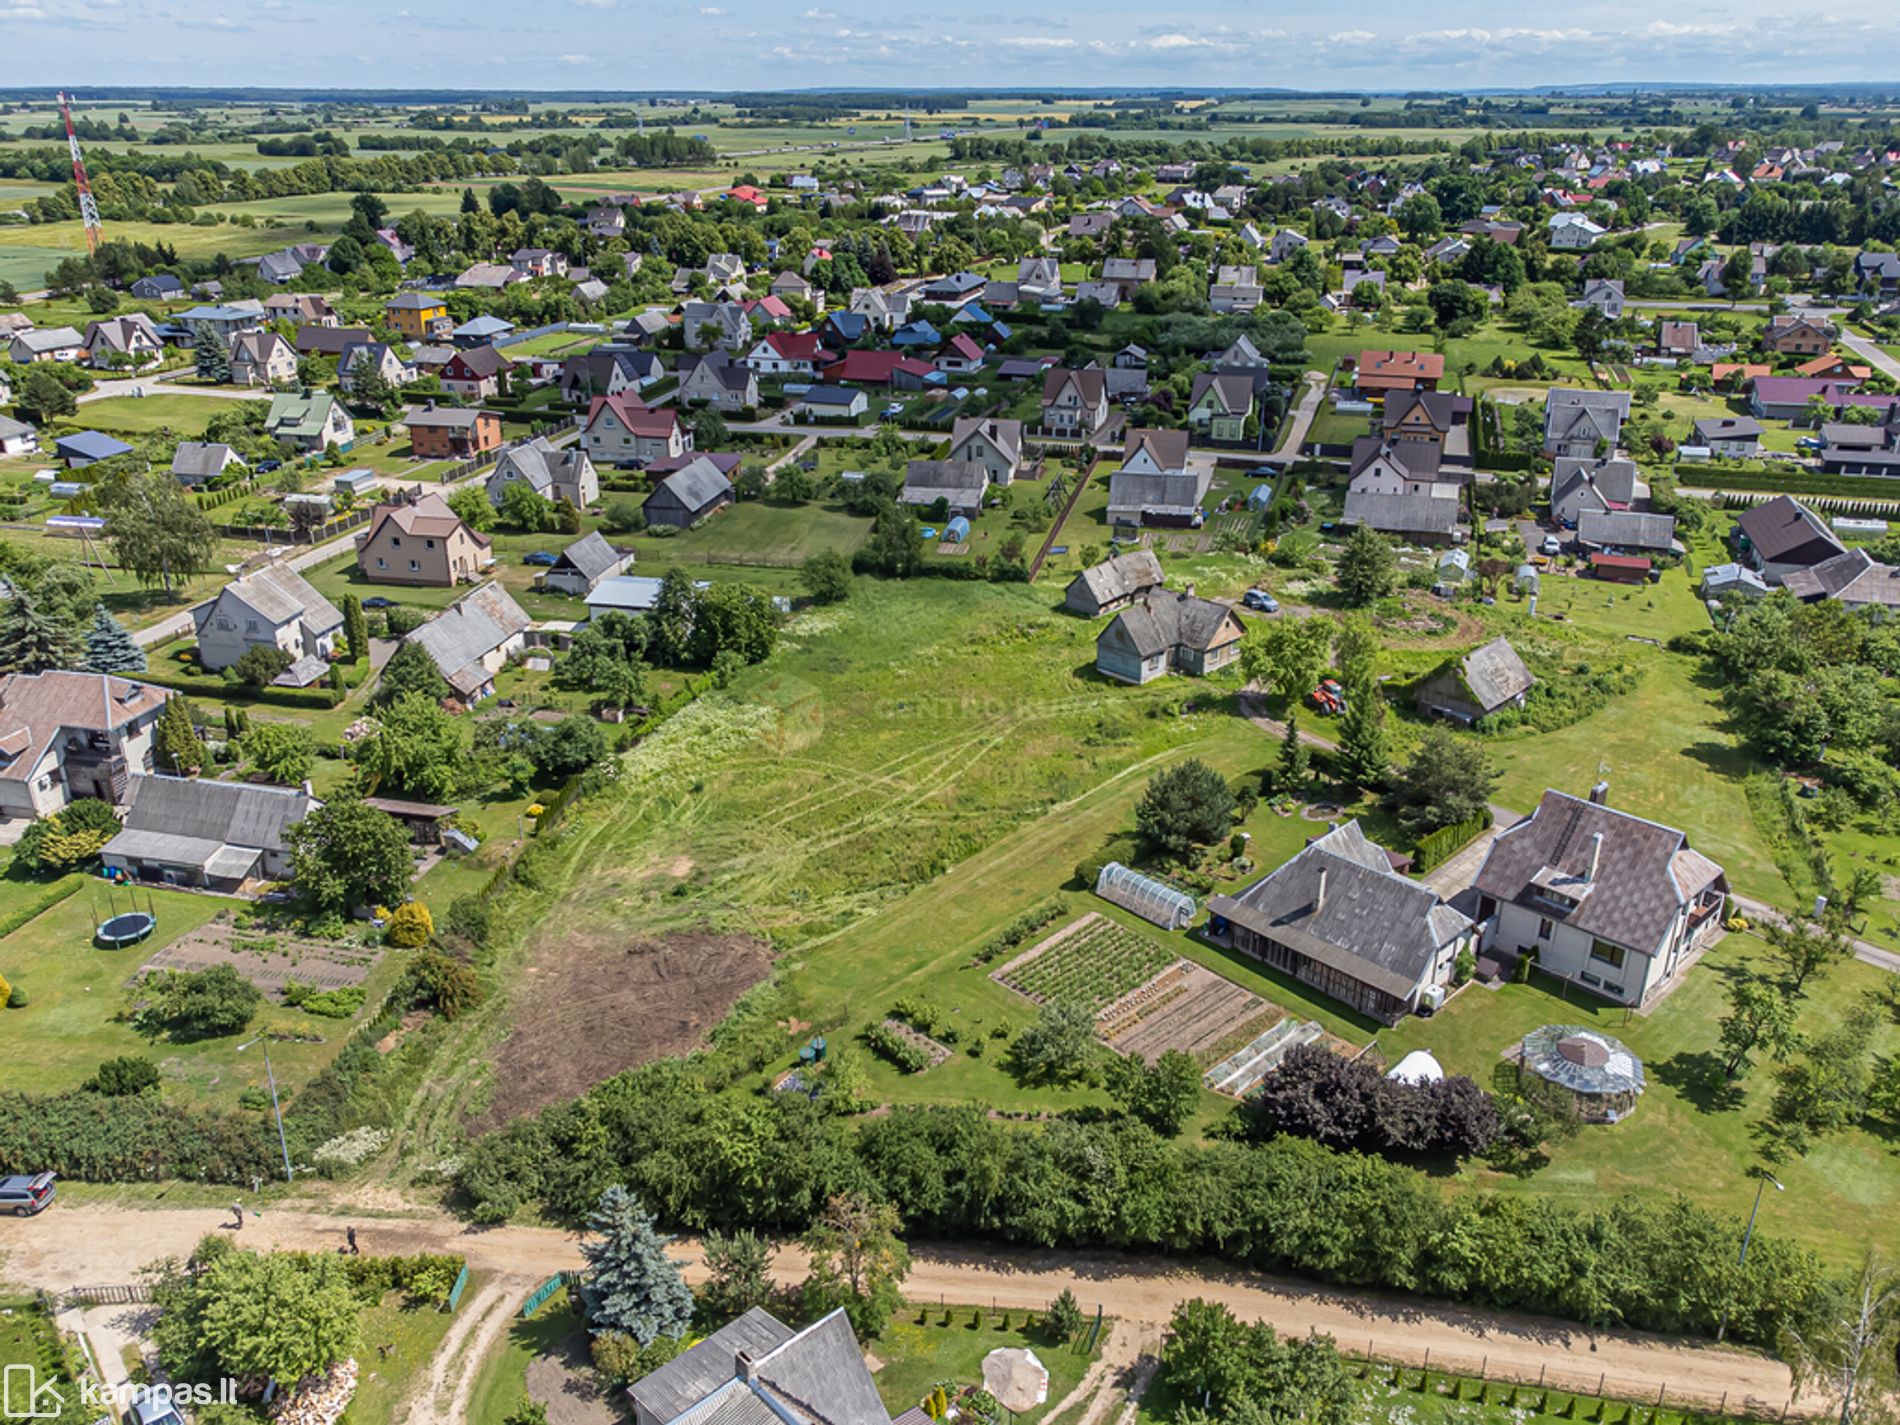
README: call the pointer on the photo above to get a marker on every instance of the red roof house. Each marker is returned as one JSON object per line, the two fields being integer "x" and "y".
{"x": 880, "y": 368}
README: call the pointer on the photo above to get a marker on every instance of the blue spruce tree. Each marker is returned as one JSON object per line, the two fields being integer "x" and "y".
{"x": 632, "y": 1285}
{"x": 109, "y": 648}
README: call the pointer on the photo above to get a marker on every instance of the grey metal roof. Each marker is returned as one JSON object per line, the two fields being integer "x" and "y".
{"x": 467, "y": 631}
{"x": 1626, "y": 529}
{"x": 200, "y": 460}
{"x": 1402, "y": 514}
{"x": 1783, "y": 526}
{"x": 590, "y": 556}
{"x": 1494, "y": 674}
{"x": 687, "y": 1379}
{"x": 279, "y": 594}
{"x": 1613, "y": 480}
{"x": 1853, "y": 577}
{"x": 225, "y": 813}
{"x": 1177, "y": 494}
{"x": 1005, "y": 435}
{"x": 541, "y": 464}
{"x": 949, "y": 476}
{"x": 1379, "y": 927}
{"x": 163, "y": 846}
{"x": 737, "y": 1402}
{"x": 1636, "y": 890}
{"x": 1122, "y": 577}
{"x": 1727, "y": 428}
{"x": 1418, "y": 459}
{"x": 1163, "y": 621}
{"x": 696, "y": 485}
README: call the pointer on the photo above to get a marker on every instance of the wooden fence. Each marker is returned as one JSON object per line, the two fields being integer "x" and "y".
{"x": 125, "y": 1293}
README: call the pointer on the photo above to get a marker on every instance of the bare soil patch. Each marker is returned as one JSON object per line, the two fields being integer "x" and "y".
{"x": 564, "y": 1381}
{"x": 597, "y": 1003}
{"x": 1186, "y": 1007}
{"x": 268, "y": 961}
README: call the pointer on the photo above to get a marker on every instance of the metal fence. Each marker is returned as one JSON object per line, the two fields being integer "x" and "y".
{"x": 461, "y": 1285}
{"x": 541, "y": 1294}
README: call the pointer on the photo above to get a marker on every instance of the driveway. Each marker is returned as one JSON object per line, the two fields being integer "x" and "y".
{"x": 1870, "y": 353}
{"x": 154, "y": 386}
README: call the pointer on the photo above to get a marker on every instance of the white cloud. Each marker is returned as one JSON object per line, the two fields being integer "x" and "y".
{"x": 598, "y": 4}
{"x": 711, "y": 10}
{"x": 574, "y": 59}
{"x": 819, "y": 15}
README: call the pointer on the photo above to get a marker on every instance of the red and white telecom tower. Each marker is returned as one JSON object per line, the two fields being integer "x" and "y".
{"x": 88, "y": 206}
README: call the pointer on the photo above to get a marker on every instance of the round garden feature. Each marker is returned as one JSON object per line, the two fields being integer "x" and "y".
{"x": 1601, "y": 1077}
{"x": 125, "y": 929}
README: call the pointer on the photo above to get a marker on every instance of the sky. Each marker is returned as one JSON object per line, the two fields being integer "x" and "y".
{"x": 781, "y": 44}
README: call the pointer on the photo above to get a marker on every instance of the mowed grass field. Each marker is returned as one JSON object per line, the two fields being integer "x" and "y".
{"x": 182, "y": 416}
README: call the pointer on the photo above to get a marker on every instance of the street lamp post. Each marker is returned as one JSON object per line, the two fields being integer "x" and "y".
{"x": 284, "y": 1143}
{"x": 1762, "y": 1181}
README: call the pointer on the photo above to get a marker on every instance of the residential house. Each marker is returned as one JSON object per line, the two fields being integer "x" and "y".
{"x": 63, "y": 344}
{"x": 689, "y": 495}
{"x": 1161, "y": 633}
{"x": 562, "y": 473}
{"x": 1832, "y": 364}
{"x": 474, "y": 374}
{"x": 1877, "y": 273}
{"x": 484, "y": 330}
{"x": 607, "y": 371}
{"x": 425, "y": 543}
{"x": 210, "y": 835}
{"x": 1849, "y": 448}
{"x": 361, "y": 361}
{"x": 1729, "y": 437}
{"x": 604, "y": 220}
{"x": 1338, "y": 917}
{"x": 300, "y": 308}
{"x": 622, "y": 430}
{"x": 1473, "y": 686}
{"x": 127, "y": 343}
{"x": 1113, "y": 584}
{"x": 1129, "y": 274}
{"x": 196, "y": 461}
{"x": 961, "y": 355}
{"x": 1603, "y": 294}
{"x": 1781, "y": 535}
{"x": 1626, "y": 532}
{"x": 1156, "y": 487}
{"x": 1584, "y": 424}
{"x": 1093, "y": 224}
{"x": 17, "y": 437}
{"x": 994, "y": 443}
{"x": 1579, "y": 485}
{"x": 1785, "y": 398}
{"x": 719, "y": 381}
{"x": 1074, "y": 402}
{"x": 313, "y": 340}
{"x": 1380, "y": 466}
{"x": 883, "y": 368}
{"x": 488, "y": 277}
{"x": 1678, "y": 339}
{"x": 420, "y": 316}
{"x": 1426, "y": 518}
{"x": 65, "y": 736}
{"x": 88, "y": 447}
{"x": 262, "y": 358}
{"x": 1614, "y": 902}
{"x": 960, "y": 484}
{"x": 273, "y": 607}
{"x": 1853, "y": 580}
{"x": 538, "y": 262}
{"x": 1039, "y": 279}
{"x": 452, "y": 432}
{"x": 1241, "y": 355}
{"x": 1796, "y": 334}
{"x": 1221, "y": 404}
{"x": 1379, "y": 374}
{"x": 1236, "y": 288}
{"x": 224, "y": 320}
{"x": 1285, "y": 243}
{"x": 1437, "y": 416}
{"x": 790, "y": 284}
{"x": 883, "y": 311}
{"x": 705, "y": 325}
{"x": 584, "y": 563}
{"x": 1573, "y": 232}
{"x": 160, "y": 286}
{"x": 782, "y": 353}
{"x": 758, "y": 1371}
{"x": 473, "y": 638}
{"x": 308, "y": 421}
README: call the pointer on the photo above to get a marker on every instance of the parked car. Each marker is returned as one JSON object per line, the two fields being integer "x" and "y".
{"x": 377, "y": 601}
{"x": 896, "y": 408}
{"x": 1261, "y": 601}
{"x": 26, "y": 1196}
{"x": 153, "y": 1405}
{"x": 541, "y": 557}
{"x": 264, "y": 467}
{"x": 1551, "y": 545}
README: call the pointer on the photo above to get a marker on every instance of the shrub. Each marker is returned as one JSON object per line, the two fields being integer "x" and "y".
{"x": 1463, "y": 967}
{"x": 15, "y": 997}
{"x": 127, "y": 1074}
{"x": 447, "y": 984}
{"x": 339, "y": 1003}
{"x": 402, "y": 619}
{"x": 469, "y": 919}
{"x": 410, "y": 927}
{"x": 195, "y": 1004}
{"x": 893, "y": 1048}
{"x": 6, "y": 991}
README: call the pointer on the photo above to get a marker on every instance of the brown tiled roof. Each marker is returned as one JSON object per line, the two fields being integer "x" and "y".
{"x": 35, "y": 706}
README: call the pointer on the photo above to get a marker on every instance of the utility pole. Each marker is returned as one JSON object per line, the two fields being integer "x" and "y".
{"x": 88, "y": 206}
{"x": 1762, "y": 1181}
{"x": 283, "y": 1143}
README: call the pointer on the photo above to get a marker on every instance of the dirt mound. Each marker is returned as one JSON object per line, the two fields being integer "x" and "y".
{"x": 590, "y": 1006}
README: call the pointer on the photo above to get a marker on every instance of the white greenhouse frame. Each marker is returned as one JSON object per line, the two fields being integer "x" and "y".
{"x": 1148, "y": 898}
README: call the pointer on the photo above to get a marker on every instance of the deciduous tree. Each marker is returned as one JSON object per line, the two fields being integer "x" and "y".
{"x": 345, "y": 854}
{"x": 159, "y": 536}
{"x": 858, "y": 1261}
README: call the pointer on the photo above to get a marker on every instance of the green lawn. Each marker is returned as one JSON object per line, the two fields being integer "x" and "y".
{"x": 413, "y": 1334}
{"x": 183, "y": 416}
{"x": 919, "y": 1352}
{"x": 757, "y": 532}
{"x": 75, "y": 995}
{"x": 29, "y": 1338}
{"x": 502, "y": 1382}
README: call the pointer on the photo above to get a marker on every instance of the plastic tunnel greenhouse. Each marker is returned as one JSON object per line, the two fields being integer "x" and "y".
{"x": 1146, "y": 897}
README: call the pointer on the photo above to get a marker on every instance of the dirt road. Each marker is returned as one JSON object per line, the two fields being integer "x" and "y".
{"x": 72, "y": 1246}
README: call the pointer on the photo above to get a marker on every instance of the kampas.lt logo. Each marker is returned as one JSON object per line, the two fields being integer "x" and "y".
{"x": 24, "y": 1396}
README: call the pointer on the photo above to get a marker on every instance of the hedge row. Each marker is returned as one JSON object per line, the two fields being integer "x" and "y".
{"x": 200, "y": 685}
{"x": 1761, "y": 479}
{"x": 61, "y": 890}
{"x": 1437, "y": 847}
{"x": 141, "y": 1138}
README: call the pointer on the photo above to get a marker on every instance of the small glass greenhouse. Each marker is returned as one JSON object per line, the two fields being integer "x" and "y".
{"x": 1148, "y": 898}
{"x": 957, "y": 531}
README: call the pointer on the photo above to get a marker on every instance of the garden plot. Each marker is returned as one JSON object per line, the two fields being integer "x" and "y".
{"x": 1092, "y": 960}
{"x": 268, "y": 961}
{"x": 1186, "y": 1007}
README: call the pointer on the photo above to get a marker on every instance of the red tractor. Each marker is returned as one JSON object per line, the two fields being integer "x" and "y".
{"x": 1329, "y": 697}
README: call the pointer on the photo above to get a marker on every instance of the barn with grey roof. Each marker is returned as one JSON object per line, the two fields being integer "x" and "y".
{"x": 688, "y": 495}
{"x": 186, "y": 831}
{"x": 1474, "y": 685}
{"x": 1113, "y": 584}
{"x": 758, "y": 1371}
